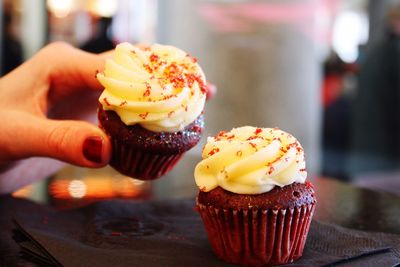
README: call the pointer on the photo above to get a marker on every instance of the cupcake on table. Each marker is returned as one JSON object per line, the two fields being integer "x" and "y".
{"x": 254, "y": 199}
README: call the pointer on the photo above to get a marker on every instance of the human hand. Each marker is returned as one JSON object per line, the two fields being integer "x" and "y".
{"x": 29, "y": 94}
{"x": 37, "y": 102}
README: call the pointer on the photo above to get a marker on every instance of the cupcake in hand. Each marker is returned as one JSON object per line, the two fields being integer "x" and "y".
{"x": 254, "y": 199}
{"x": 151, "y": 107}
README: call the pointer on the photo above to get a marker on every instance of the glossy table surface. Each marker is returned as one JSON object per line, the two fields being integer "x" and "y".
{"x": 338, "y": 203}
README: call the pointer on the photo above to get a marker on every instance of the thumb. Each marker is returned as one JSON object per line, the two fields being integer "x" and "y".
{"x": 77, "y": 142}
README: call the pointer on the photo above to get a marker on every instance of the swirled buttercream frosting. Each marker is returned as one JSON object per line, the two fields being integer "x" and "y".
{"x": 160, "y": 87}
{"x": 250, "y": 160}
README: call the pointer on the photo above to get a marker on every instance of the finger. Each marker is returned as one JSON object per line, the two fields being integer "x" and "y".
{"x": 70, "y": 69}
{"x": 107, "y": 54}
{"x": 211, "y": 90}
{"x": 76, "y": 142}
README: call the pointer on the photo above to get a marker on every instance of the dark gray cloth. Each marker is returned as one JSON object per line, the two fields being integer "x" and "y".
{"x": 171, "y": 233}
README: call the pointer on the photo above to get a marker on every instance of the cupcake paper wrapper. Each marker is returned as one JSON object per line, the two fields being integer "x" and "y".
{"x": 141, "y": 164}
{"x": 257, "y": 237}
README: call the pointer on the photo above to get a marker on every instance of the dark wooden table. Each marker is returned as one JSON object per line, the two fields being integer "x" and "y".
{"x": 338, "y": 203}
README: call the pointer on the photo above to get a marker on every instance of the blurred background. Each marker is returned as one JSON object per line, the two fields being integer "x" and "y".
{"x": 326, "y": 71}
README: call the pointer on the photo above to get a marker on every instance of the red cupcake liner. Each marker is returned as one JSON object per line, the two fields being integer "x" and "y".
{"x": 257, "y": 237}
{"x": 141, "y": 164}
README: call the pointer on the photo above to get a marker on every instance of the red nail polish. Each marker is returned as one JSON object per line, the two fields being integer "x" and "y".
{"x": 92, "y": 148}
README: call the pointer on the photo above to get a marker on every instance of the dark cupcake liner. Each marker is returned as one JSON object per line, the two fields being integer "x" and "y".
{"x": 141, "y": 164}
{"x": 257, "y": 237}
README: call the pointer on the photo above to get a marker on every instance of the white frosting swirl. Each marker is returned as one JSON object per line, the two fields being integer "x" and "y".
{"x": 250, "y": 160}
{"x": 160, "y": 87}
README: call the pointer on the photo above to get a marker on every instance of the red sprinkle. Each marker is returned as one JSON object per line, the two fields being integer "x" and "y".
{"x": 194, "y": 60}
{"x": 168, "y": 97}
{"x": 123, "y": 103}
{"x": 106, "y": 101}
{"x": 144, "y": 115}
{"x": 275, "y": 160}
{"x": 221, "y": 133}
{"x": 271, "y": 169}
{"x": 148, "y": 68}
{"x": 178, "y": 81}
{"x": 148, "y": 89}
{"x": 258, "y": 131}
{"x": 213, "y": 151}
{"x": 231, "y": 137}
{"x": 154, "y": 58}
{"x": 253, "y": 145}
{"x": 172, "y": 68}
{"x": 254, "y": 137}
{"x": 196, "y": 78}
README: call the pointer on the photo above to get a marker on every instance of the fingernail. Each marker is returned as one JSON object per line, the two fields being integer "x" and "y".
{"x": 92, "y": 148}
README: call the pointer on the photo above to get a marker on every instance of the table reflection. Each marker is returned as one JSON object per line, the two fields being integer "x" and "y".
{"x": 73, "y": 187}
{"x": 339, "y": 203}
{"x": 357, "y": 208}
